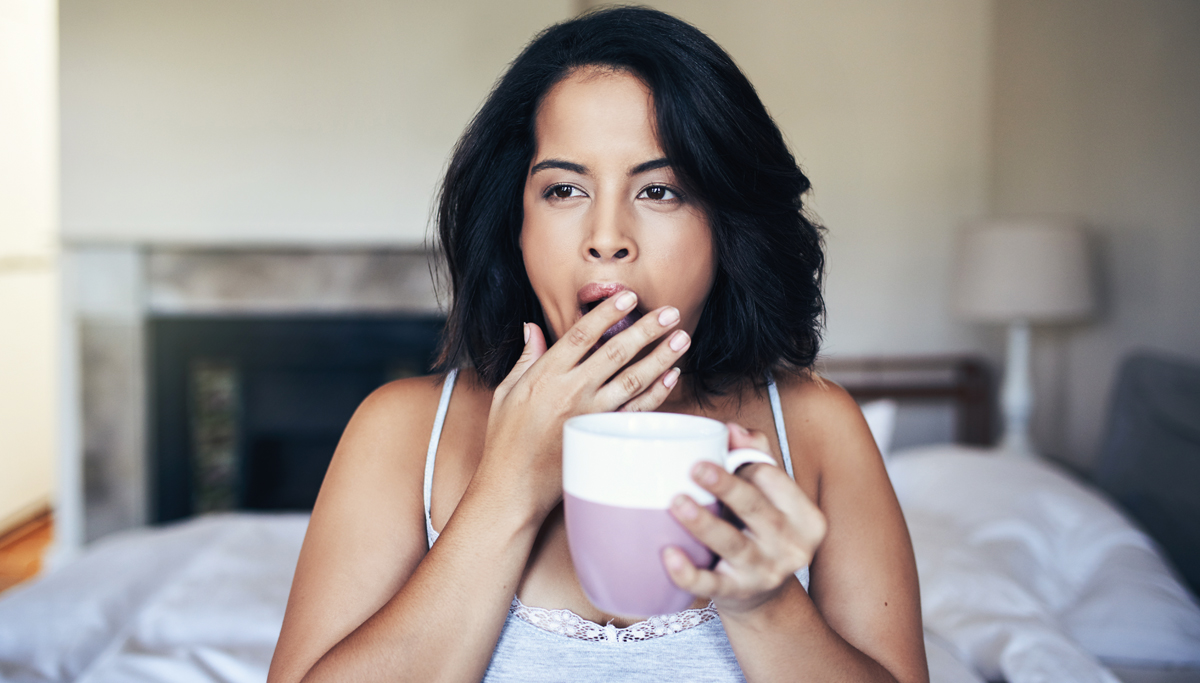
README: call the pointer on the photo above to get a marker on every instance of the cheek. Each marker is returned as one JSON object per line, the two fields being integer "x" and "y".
{"x": 689, "y": 256}
{"x": 543, "y": 249}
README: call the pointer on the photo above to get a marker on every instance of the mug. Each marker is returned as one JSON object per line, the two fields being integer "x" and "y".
{"x": 620, "y": 473}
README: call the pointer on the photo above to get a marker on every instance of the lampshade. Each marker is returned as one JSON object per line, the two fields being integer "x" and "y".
{"x": 1033, "y": 269}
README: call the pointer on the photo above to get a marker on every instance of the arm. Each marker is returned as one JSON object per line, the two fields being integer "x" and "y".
{"x": 862, "y": 619}
{"x": 368, "y": 603}
{"x": 366, "y": 600}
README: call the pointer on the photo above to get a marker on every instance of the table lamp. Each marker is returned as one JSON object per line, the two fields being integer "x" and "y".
{"x": 1022, "y": 271}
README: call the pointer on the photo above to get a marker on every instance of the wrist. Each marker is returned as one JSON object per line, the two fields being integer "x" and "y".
{"x": 509, "y": 499}
{"x": 785, "y": 602}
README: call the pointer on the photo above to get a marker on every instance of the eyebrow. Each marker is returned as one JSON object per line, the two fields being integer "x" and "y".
{"x": 651, "y": 165}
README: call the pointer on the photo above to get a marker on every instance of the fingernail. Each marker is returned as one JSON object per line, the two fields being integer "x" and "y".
{"x": 626, "y": 301}
{"x": 705, "y": 473}
{"x": 671, "y": 378}
{"x": 525, "y": 329}
{"x": 673, "y": 559}
{"x": 685, "y": 507}
{"x": 668, "y": 316}
{"x": 679, "y": 341}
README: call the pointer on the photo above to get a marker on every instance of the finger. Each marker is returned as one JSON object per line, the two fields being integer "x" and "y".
{"x": 640, "y": 376}
{"x": 720, "y": 536}
{"x": 535, "y": 347}
{"x": 617, "y": 352}
{"x": 807, "y": 520}
{"x": 654, "y": 396}
{"x": 699, "y": 582}
{"x": 578, "y": 341}
{"x": 767, "y": 523}
{"x": 788, "y": 539}
{"x": 740, "y": 437}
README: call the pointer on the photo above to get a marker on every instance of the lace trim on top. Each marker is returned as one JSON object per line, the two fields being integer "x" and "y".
{"x": 567, "y": 623}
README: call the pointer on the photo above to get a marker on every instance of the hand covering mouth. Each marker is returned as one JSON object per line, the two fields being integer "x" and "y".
{"x": 594, "y": 294}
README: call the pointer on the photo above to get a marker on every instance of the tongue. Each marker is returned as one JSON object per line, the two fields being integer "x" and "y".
{"x": 619, "y": 326}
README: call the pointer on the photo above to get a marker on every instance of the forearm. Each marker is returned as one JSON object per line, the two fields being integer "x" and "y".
{"x": 787, "y": 639}
{"x": 443, "y": 624}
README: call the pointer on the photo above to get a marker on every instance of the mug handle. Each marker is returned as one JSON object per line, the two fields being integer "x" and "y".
{"x": 744, "y": 456}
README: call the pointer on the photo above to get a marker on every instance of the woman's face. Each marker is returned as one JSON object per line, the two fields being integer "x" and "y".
{"x": 603, "y": 210}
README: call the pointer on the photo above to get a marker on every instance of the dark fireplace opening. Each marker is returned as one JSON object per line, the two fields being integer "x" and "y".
{"x": 245, "y": 412}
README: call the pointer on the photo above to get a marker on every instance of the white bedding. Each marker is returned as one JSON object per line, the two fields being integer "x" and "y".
{"x": 1024, "y": 575}
{"x": 1031, "y": 577}
{"x": 200, "y": 601}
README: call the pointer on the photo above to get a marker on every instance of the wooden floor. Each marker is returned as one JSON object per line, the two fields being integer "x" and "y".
{"x": 21, "y": 550}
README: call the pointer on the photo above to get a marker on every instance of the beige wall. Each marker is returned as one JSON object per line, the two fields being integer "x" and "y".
{"x": 311, "y": 122}
{"x": 272, "y": 121}
{"x": 1097, "y": 115}
{"x": 285, "y": 122}
{"x": 28, "y": 277}
{"x": 886, "y": 106}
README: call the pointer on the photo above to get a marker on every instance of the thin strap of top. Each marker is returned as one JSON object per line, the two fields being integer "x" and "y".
{"x": 780, "y": 430}
{"x": 431, "y": 454}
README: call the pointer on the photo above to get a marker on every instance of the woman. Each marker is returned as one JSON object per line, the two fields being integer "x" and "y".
{"x": 624, "y": 231}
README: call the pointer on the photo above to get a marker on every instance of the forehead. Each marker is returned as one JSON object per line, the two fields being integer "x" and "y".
{"x": 595, "y": 111}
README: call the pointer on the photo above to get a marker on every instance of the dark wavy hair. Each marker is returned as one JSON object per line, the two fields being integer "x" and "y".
{"x": 765, "y": 309}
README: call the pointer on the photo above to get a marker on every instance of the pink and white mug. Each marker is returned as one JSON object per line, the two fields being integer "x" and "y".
{"x": 620, "y": 473}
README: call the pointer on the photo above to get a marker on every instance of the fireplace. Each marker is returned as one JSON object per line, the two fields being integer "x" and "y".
{"x": 220, "y": 378}
{"x": 246, "y": 410}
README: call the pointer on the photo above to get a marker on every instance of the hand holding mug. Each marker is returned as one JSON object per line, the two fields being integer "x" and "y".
{"x": 620, "y": 473}
{"x": 783, "y": 530}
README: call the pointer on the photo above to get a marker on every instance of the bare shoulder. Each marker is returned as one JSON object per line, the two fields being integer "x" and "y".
{"x": 367, "y": 530}
{"x": 395, "y": 404}
{"x": 376, "y": 472}
{"x": 812, "y": 394}
{"x": 825, "y": 423}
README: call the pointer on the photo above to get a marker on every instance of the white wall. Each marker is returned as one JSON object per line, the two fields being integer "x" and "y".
{"x": 28, "y": 273}
{"x": 886, "y": 106}
{"x": 1098, "y": 115}
{"x": 272, "y": 121}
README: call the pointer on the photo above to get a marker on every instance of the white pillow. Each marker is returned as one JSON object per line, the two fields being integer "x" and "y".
{"x": 881, "y": 419}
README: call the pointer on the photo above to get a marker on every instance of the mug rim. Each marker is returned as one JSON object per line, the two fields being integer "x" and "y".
{"x": 689, "y": 427}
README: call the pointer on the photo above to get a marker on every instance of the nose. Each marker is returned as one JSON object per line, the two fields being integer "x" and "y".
{"x": 610, "y": 237}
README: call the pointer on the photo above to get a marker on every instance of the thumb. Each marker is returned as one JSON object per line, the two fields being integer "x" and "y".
{"x": 535, "y": 346}
{"x": 740, "y": 437}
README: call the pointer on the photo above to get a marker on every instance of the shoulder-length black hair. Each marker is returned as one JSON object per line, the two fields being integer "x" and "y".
{"x": 765, "y": 309}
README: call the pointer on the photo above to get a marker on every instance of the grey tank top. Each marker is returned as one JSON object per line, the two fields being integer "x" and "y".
{"x": 558, "y": 645}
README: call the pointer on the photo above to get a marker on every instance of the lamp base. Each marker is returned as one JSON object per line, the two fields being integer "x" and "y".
{"x": 1016, "y": 396}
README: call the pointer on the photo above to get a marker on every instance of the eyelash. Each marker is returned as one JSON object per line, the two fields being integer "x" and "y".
{"x": 550, "y": 192}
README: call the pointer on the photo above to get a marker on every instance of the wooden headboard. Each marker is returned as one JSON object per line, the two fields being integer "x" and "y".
{"x": 963, "y": 380}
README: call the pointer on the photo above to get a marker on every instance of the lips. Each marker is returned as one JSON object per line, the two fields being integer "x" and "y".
{"x": 593, "y": 294}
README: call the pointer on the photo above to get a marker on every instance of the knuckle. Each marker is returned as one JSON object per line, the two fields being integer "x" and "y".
{"x": 615, "y": 352}
{"x": 631, "y": 383}
{"x": 576, "y": 336}
{"x": 741, "y": 546}
{"x": 757, "y": 507}
{"x": 777, "y": 522}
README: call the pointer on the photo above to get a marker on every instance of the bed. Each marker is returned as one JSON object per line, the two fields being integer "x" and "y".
{"x": 1027, "y": 574}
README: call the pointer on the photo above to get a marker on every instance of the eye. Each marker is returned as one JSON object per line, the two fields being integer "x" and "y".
{"x": 563, "y": 192}
{"x": 659, "y": 193}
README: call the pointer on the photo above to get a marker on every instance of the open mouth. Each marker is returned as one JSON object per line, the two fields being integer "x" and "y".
{"x": 617, "y": 327}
